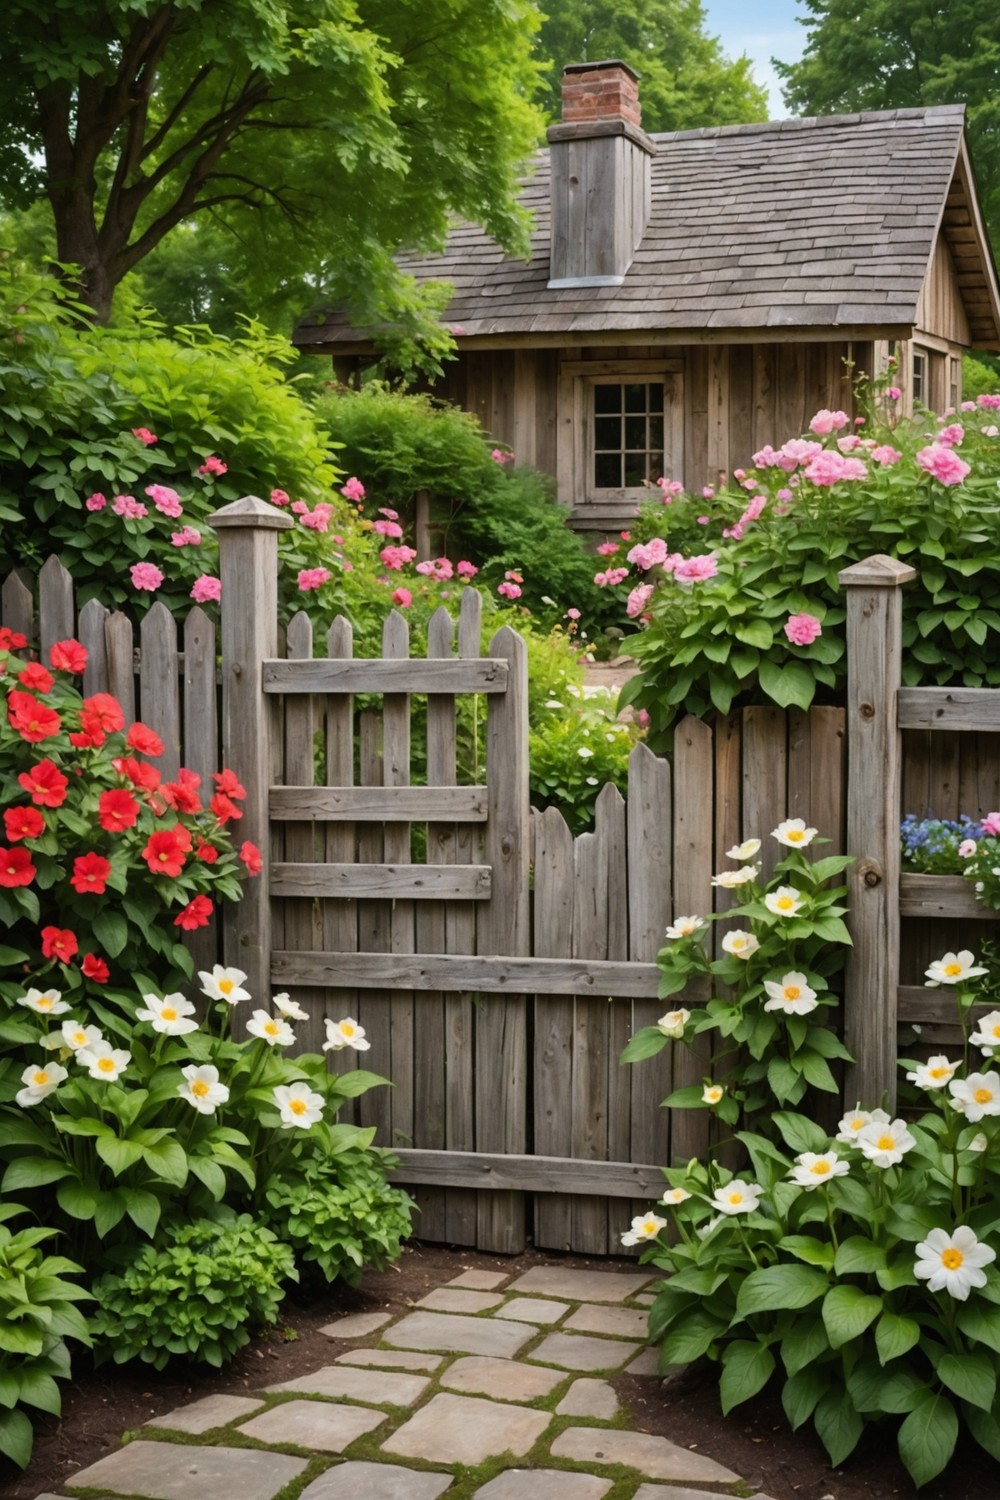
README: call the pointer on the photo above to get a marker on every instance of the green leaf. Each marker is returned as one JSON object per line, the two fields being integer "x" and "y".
{"x": 790, "y": 684}
{"x": 110, "y": 931}
{"x": 911, "y": 1221}
{"x": 143, "y": 1209}
{"x": 78, "y": 1199}
{"x": 970, "y": 1376}
{"x": 746, "y": 1369}
{"x": 816, "y": 1070}
{"x": 34, "y": 1171}
{"x": 39, "y": 1389}
{"x": 895, "y": 1336}
{"x": 985, "y": 1429}
{"x": 777, "y": 1287}
{"x": 782, "y": 1078}
{"x": 692, "y": 1335}
{"x": 874, "y": 1389}
{"x": 168, "y": 1159}
{"x": 358, "y": 1081}
{"x": 804, "y": 1247}
{"x": 211, "y": 1174}
{"x": 646, "y": 1042}
{"x": 16, "y": 1437}
{"x": 758, "y": 633}
{"x": 858, "y": 1254}
{"x": 110, "y": 1210}
{"x": 118, "y": 1155}
{"x": 980, "y": 1321}
{"x": 847, "y": 1312}
{"x": 800, "y": 1133}
{"x": 690, "y": 1097}
{"x": 802, "y": 1392}
{"x": 927, "y": 1438}
{"x": 838, "y": 1425}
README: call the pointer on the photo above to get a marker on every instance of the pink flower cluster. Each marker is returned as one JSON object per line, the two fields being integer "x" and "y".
{"x": 166, "y": 500}
{"x": 500, "y": 457}
{"x": 802, "y": 630}
{"x": 146, "y": 438}
{"x": 353, "y": 489}
{"x": 186, "y": 537}
{"x": 696, "y": 569}
{"x": 387, "y": 528}
{"x": 396, "y": 557}
{"x": 825, "y": 422}
{"x": 943, "y": 464}
{"x": 95, "y": 502}
{"x": 607, "y": 549}
{"x": 313, "y": 578}
{"x": 671, "y": 489}
{"x": 638, "y": 599}
{"x": 466, "y": 569}
{"x": 509, "y": 590}
{"x": 440, "y": 569}
{"x": 950, "y": 437}
{"x": 213, "y": 465}
{"x": 403, "y": 598}
{"x": 205, "y": 588}
{"x": 829, "y": 468}
{"x": 796, "y": 453}
{"x": 885, "y": 454}
{"x": 991, "y": 402}
{"x": 646, "y": 555}
{"x": 146, "y": 576}
{"x": 129, "y": 508}
{"x": 315, "y": 520}
{"x": 280, "y": 497}
{"x": 611, "y": 578}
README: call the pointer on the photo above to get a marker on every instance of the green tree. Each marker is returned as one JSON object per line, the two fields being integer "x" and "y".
{"x": 323, "y": 135}
{"x": 686, "y": 80}
{"x": 899, "y": 54}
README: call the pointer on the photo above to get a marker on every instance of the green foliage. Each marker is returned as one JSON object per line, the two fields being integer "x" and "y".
{"x": 38, "y": 1311}
{"x": 575, "y": 750}
{"x": 199, "y": 1293}
{"x": 686, "y": 80}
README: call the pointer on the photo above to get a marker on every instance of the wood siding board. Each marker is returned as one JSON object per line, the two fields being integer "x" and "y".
{"x": 302, "y": 924}
{"x": 765, "y": 770}
{"x": 90, "y": 634}
{"x": 741, "y": 445}
{"x": 340, "y": 916}
{"x": 374, "y": 934}
{"x": 397, "y": 851}
{"x": 649, "y": 811}
{"x": 200, "y": 743}
{"x": 613, "y": 847}
{"x": 121, "y": 663}
{"x": 588, "y": 1098}
{"x": 160, "y": 684}
{"x": 553, "y": 1029}
{"x": 697, "y": 472}
{"x": 693, "y": 819}
{"x": 413, "y": 804}
{"x": 18, "y": 606}
{"x": 517, "y": 1173}
{"x": 487, "y": 974}
{"x": 56, "y": 606}
{"x": 385, "y": 676}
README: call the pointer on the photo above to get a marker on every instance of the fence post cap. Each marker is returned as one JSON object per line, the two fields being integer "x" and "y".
{"x": 879, "y": 570}
{"x": 252, "y": 513}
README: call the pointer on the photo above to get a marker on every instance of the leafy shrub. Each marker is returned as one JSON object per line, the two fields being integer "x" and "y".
{"x": 38, "y": 1311}
{"x": 200, "y": 1292}
{"x": 340, "y": 1213}
{"x": 575, "y": 750}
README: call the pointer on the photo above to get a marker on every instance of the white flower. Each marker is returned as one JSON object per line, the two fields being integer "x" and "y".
{"x": 674, "y": 1196}
{"x": 791, "y": 994}
{"x": 743, "y": 851}
{"x": 584, "y": 753}
{"x": 740, "y": 944}
{"x": 730, "y": 879}
{"x": 290, "y": 1009}
{"x": 170, "y": 1016}
{"x": 794, "y": 833}
{"x": 223, "y": 984}
{"x": 812, "y": 1170}
{"x": 552, "y": 703}
{"x": 737, "y": 1197}
{"x": 645, "y": 1227}
{"x": 271, "y": 1029}
{"x": 53, "y": 1041}
{"x": 76, "y": 1036}
{"x": 298, "y": 1105}
{"x": 683, "y": 927}
{"x": 712, "y": 1093}
{"x": 38, "y": 1082}
{"x": 44, "y": 1002}
{"x": 784, "y": 902}
{"x": 345, "y": 1033}
{"x": 953, "y": 1263}
{"x": 953, "y": 968}
{"x": 854, "y": 1122}
{"x": 885, "y": 1142}
{"x": 987, "y": 1035}
{"x": 103, "y": 1061}
{"x": 706, "y": 1229}
{"x": 202, "y": 1088}
{"x": 933, "y": 1074}
{"x": 976, "y": 1096}
{"x": 674, "y": 1022}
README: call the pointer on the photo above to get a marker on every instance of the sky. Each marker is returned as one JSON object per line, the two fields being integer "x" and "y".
{"x": 762, "y": 29}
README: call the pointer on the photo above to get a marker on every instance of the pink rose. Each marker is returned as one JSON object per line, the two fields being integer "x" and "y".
{"x": 128, "y": 507}
{"x": 798, "y": 451}
{"x": 166, "y": 500}
{"x": 466, "y": 569}
{"x": 279, "y": 497}
{"x": 966, "y": 848}
{"x": 991, "y": 823}
{"x": 829, "y": 468}
{"x": 187, "y": 537}
{"x": 95, "y": 502}
{"x": 509, "y": 590}
{"x": 646, "y": 555}
{"x": 572, "y": 614}
{"x": 893, "y": 393}
{"x": 205, "y": 588}
{"x": 213, "y": 465}
{"x": 991, "y": 402}
{"x": 607, "y": 549}
{"x": 638, "y": 599}
{"x": 950, "y": 437}
{"x": 353, "y": 489}
{"x": 396, "y": 557}
{"x": 146, "y": 576}
{"x": 671, "y": 489}
{"x": 500, "y": 457}
{"x": 802, "y": 630}
{"x": 943, "y": 464}
{"x": 696, "y": 569}
{"x": 403, "y": 598}
{"x": 885, "y": 454}
{"x": 146, "y": 438}
{"x": 611, "y": 578}
{"x": 313, "y": 578}
{"x": 825, "y": 422}
{"x": 387, "y": 528}
{"x": 318, "y": 519}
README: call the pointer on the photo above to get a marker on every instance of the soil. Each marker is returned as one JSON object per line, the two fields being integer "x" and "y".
{"x": 100, "y": 1404}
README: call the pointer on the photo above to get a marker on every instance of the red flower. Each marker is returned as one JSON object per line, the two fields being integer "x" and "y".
{"x": 87, "y": 739}
{"x": 33, "y": 721}
{"x": 223, "y": 808}
{"x": 144, "y": 740}
{"x": 36, "y": 678}
{"x": 12, "y": 640}
{"x": 60, "y": 943}
{"x": 206, "y": 852}
{"x": 195, "y": 914}
{"x": 90, "y": 874}
{"x": 182, "y": 794}
{"x": 117, "y": 810}
{"x": 95, "y": 968}
{"x": 101, "y": 712}
{"x": 229, "y": 783}
{"x": 251, "y": 857}
{"x": 16, "y": 867}
{"x": 46, "y": 783}
{"x": 146, "y": 438}
{"x": 68, "y": 656}
{"x": 164, "y": 853}
{"x": 138, "y": 772}
{"x": 23, "y": 823}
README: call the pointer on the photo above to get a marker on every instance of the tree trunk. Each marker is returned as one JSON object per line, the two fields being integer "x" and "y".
{"x": 77, "y": 247}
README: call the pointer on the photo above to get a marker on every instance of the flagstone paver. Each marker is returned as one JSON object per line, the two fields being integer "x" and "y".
{"x": 589, "y": 1398}
{"x": 313, "y": 1424}
{"x": 533, "y": 1310}
{"x": 646, "y": 1363}
{"x": 211, "y": 1411}
{"x": 362, "y": 1481}
{"x": 544, "y": 1484}
{"x": 575, "y": 1351}
{"x": 671, "y": 1492}
{"x": 458, "y": 1334}
{"x": 380, "y": 1387}
{"x": 580, "y": 1286}
{"x": 625, "y": 1322}
{"x": 177, "y": 1471}
{"x": 654, "y": 1457}
{"x": 479, "y": 1281}
{"x": 356, "y": 1325}
{"x": 457, "y": 1300}
{"x": 390, "y": 1359}
{"x": 501, "y": 1378}
{"x": 467, "y": 1430}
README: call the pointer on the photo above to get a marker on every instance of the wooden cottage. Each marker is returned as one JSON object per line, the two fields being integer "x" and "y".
{"x": 692, "y": 296}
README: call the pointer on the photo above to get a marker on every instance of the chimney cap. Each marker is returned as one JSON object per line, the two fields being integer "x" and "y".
{"x": 591, "y": 67}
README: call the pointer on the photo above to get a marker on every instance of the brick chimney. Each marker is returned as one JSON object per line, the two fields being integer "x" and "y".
{"x": 600, "y": 162}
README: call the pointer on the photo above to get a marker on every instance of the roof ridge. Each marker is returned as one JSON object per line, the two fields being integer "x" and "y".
{"x": 816, "y": 122}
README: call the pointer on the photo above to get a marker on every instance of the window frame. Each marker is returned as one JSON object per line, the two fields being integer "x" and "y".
{"x": 577, "y": 436}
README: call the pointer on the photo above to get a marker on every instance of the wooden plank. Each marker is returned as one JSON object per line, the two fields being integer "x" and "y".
{"x": 765, "y": 794}
{"x": 374, "y": 933}
{"x": 920, "y": 1006}
{"x": 415, "y": 804}
{"x": 340, "y": 916}
{"x": 383, "y": 882}
{"x": 121, "y": 663}
{"x": 553, "y": 1032}
{"x": 649, "y": 836}
{"x": 397, "y": 852}
{"x": 484, "y": 675}
{"x": 693, "y": 768}
{"x": 56, "y": 613}
{"x": 613, "y": 854}
{"x": 303, "y": 929}
{"x": 729, "y": 826}
{"x": 200, "y": 746}
{"x": 159, "y": 685}
{"x": 589, "y": 1091}
{"x": 477, "y": 973}
{"x": 949, "y": 708}
{"x": 17, "y": 604}
{"x": 941, "y": 896}
{"x": 502, "y": 927}
{"x": 90, "y": 633}
{"x": 540, "y": 1174}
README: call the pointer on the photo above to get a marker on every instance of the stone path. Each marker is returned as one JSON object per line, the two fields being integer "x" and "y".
{"x": 491, "y": 1388}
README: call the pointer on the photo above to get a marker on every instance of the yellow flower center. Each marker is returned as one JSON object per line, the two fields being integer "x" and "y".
{"x": 649, "y": 1227}
{"x": 820, "y": 1168}
{"x": 792, "y": 992}
{"x": 297, "y": 1106}
{"x": 226, "y": 986}
{"x": 785, "y": 903}
{"x": 938, "y": 1072}
{"x": 952, "y": 969}
{"x": 996, "y": 1031}
{"x": 735, "y": 1197}
{"x": 951, "y": 1258}
{"x": 40, "y": 1080}
{"x": 106, "y": 1064}
{"x": 168, "y": 1013}
{"x": 983, "y": 1096}
{"x": 199, "y": 1088}
{"x": 44, "y": 1003}
{"x": 886, "y": 1142}
{"x": 347, "y": 1028}
{"x": 271, "y": 1027}
{"x": 855, "y": 1125}
{"x": 80, "y": 1038}
{"x": 795, "y": 835}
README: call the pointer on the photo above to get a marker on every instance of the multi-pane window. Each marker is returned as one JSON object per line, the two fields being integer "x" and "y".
{"x": 920, "y": 391}
{"x": 628, "y": 434}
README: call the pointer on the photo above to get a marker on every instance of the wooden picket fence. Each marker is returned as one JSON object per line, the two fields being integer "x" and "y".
{"x": 499, "y": 975}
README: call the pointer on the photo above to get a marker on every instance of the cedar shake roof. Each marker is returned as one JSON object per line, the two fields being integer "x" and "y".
{"x": 827, "y": 223}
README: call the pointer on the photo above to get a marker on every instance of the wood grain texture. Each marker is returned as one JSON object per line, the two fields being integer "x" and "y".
{"x": 509, "y": 1172}
{"x": 340, "y": 917}
{"x": 160, "y": 685}
{"x": 121, "y": 663}
{"x": 553, "y": 1030}
{"x": 18, "y": 606}
{"x": 302, "y": 925}
{"x": 693, "y": 822}
{"x": 414, "y": 804}
{"x": 649, "y": 839}
{"x": 482, "y": 675}
{"x": 949, "y": 708}
{"x": 90, "y": 633}
{"x": 396, "y": 843}
{"x": 383, "y": 882}
{"x": 589, "y": 1088}
{"x": 475, "y": 973}
{"x": 941, "y": 896}
{"x": 200, "y": 746}
{"x": 56, "y": 612}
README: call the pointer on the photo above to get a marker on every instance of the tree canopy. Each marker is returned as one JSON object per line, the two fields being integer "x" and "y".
{"x": 321, "y": 135}
{"x": 686, "y": 80}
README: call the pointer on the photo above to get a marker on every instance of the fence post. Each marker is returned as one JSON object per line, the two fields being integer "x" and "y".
{"x": 874, "y": 666}
{"x": 248, "y": 566}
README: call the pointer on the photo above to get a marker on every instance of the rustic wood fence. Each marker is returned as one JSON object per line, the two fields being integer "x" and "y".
{"x": 498, "y": 964}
